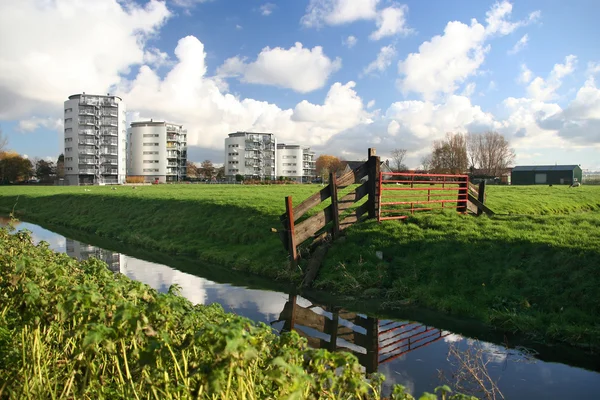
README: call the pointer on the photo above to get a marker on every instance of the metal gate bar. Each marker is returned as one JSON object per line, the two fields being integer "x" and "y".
{"x": 403, "y": 193}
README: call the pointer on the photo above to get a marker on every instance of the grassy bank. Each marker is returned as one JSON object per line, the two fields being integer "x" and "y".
{"x": 532, "y": 274}
{"x": 532, "y": 269}
{"x": 71, "y": 329}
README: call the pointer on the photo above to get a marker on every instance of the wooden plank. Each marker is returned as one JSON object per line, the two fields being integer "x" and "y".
{"x": 481, "y": 196}
{"x": 351, "y": 198}
{"x": 312, "y": 201}
{"x": 354, "y": 217}
{"x": 335, "y": 216}
{"x": 291, "y": 232}
{"x": 478, "y": 204}
{"x": 310, "y": 226}
{"x": 353, "y": 176}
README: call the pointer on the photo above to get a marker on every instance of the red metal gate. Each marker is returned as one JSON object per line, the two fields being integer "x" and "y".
{"x": 404, "y": 193}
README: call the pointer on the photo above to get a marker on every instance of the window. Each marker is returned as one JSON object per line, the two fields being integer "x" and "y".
{"x": 68, "y": 149}
{"x": 68, "y": 130}
{"x": 68, "y": 110}
{"x": 68, "y": 158}
{"x": 150, "y": 152}
{"x": 69, "y": 139}
{"x": 234, "y": 162}
{"x": 150, "y": 169}
{"x": 150, "y": 161}
{"x": 150, "y": 134}
{"x": 150, "y": 144}
{"x": 68, "y": 120}
{"x": 69, "y": 169}
{"x": 234, "y": 154}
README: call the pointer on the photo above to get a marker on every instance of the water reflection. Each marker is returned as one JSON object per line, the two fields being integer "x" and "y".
{"x": 406, "y": 352}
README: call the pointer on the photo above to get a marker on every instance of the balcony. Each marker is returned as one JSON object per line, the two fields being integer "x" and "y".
{"x": 87, "y": 161}
{"x": 87, "y": 121}
{"x": 110, "y": 171}
{"x": 87, "y": 111}
{"x": 87, "y": 141}
{"x": 107, "y": 103}
{"x": 86, "y": 151}
{"x": 87, "y": 171}
{"x": 87, "y": 132}
{"x": 110, "y": 133}
{"x": 109, "y": 142}
{"x": 113, "y": 112}
{"x": 110, "y": 161}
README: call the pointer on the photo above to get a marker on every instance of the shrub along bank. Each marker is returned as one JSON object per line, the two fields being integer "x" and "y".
{"x": 529, "y": 272}
{"x": 71, "y": 329}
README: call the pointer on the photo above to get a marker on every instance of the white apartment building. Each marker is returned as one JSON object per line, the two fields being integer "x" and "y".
{"x": 296, "y": 162}
{"x": 251, "y": 155}
{"x": 95, "y": 140}
{"x": 157, "y": 151}
{"x": 82, "y": 251}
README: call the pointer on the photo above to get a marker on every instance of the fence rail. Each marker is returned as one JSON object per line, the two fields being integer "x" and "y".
{"x": 403, "y": 193}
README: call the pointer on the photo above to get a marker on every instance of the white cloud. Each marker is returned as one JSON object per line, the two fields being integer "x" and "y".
{"x": 383, "y": 60}
{"x": 525, "y": 75}
{"x": 544, "y": 89}
{"x": 267, "y": 9}
{"x": 470, "y": 89}
{"x": 593, "y": 68}
{"x": 33, "y": 123}
{"x": 492, "y": 86}
{"x": 69, "y": 47}
{"x": 497, "y": 22}
{"x": 337, "y": 12}
{"x": 520, "y": 45}
{"x": 391, "y": 21}
{"x": 297, "y": 68}
{"x": 444, "y": 61}
{"x": 188, "y": 96}
{"x": 155, "y": 57}
{"x": 239, "y": 27}
{"x": 188, "y": 3}
{"x": 449, "y": 59}
{"x": 371, "y": 104}
{"x": 350, "y": 41}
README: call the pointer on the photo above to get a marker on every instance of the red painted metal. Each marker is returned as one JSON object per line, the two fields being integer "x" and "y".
{"x": 403, "y": 193}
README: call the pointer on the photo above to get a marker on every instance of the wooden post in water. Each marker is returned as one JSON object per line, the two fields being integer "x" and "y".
{"x": 481, "y": 196}
{"x": 335, "y": 216}
{"x": 289, "y": 211}
{"x": 373, "y": 167}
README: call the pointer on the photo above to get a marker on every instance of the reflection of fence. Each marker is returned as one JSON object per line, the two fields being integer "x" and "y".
{"x": 374, "y": 342}
{"x": 404, "y": 193}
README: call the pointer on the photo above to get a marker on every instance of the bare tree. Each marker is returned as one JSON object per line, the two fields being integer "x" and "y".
{"x": 3, "y": 142}
{"x": 398, "y": 156}
{"x": 490, "y": 152}
{"x": 450, "y": 154}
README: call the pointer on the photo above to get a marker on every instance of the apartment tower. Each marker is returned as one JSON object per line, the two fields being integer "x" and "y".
{"x": 251, "y": 155}
{"x": 95, "y": 139}
{"x": 157, "y": 151}
{"x": 296, "y": 162}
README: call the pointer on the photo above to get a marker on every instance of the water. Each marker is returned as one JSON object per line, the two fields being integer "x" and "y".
{"x": 406, "y": 352}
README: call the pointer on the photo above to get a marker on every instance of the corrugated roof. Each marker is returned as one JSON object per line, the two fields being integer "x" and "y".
{"x": 545, "y": 167}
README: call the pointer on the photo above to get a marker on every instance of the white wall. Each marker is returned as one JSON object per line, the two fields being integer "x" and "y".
{"x": 289, "y": 162}
{"x": 140, "y": 140}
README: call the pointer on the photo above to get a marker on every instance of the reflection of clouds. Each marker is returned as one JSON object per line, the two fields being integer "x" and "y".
{"x": 55, "y": 241}
{"x": 452, "y": 338}
{"x": 268, "y": 303}
{"x": 493, "y": 353}
{"x": 161, "y": 277}
{"x": 394, "y": 376}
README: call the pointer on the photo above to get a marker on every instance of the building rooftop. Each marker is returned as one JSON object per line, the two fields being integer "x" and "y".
{"x": 108, "y": 96}
{"x": 154, "y": 123}
{"x": 545, "y": 168}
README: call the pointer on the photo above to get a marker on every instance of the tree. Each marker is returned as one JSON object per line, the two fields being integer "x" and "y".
{"x": 449, "y": 155}
{"x": 220, "y": 173}
{"x": 398, "y": 156}
{"x": 14, "y": 168}
{"x": 192, "y": 170}
{"x": 326, "y": 163}
{"x": 60, "y": 166}
{"x": 207, "y": 169}
{"x": 489, "y": 152}
{"x": 3, "y": 142}
{"x": 45, "y": 171}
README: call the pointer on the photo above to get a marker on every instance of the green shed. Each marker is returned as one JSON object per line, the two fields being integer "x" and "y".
{"x": 546, "y": 175}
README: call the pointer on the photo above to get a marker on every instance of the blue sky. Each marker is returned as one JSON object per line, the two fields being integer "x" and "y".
{"x": 416, "y": 70}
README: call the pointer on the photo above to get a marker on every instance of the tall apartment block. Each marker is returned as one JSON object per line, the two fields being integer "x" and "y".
{"x": 251, "y": 155}
{"x": 95, "y": 140}
{"x": 82, "y": 251}
{"x": 296, "y": 162}
{"x": 157, "y": 151}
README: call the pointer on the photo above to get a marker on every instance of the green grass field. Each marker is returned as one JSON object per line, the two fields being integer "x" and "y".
{"x": 532, "y": 268}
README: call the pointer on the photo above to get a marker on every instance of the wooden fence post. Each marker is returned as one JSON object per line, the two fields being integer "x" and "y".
{"x": 481, "y": 196}
{"x": 463, "y": 195}
{"x": 289, "y": 210}
{"x": 335, "y": 216}
{"x": 373, "y": 167}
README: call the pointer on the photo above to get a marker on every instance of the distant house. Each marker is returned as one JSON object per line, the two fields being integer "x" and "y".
{"x": 546, "y": 175}
{"x": 352, "y": 165}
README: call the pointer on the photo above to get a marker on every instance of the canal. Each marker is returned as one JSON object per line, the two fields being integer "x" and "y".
{"x": 416, "y": 354}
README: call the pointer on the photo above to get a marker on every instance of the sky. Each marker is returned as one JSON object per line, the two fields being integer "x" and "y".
{"x": 338, "y": 75}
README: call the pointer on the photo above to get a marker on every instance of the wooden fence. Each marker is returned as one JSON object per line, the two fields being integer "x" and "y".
{"x": 339, "y": 214}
